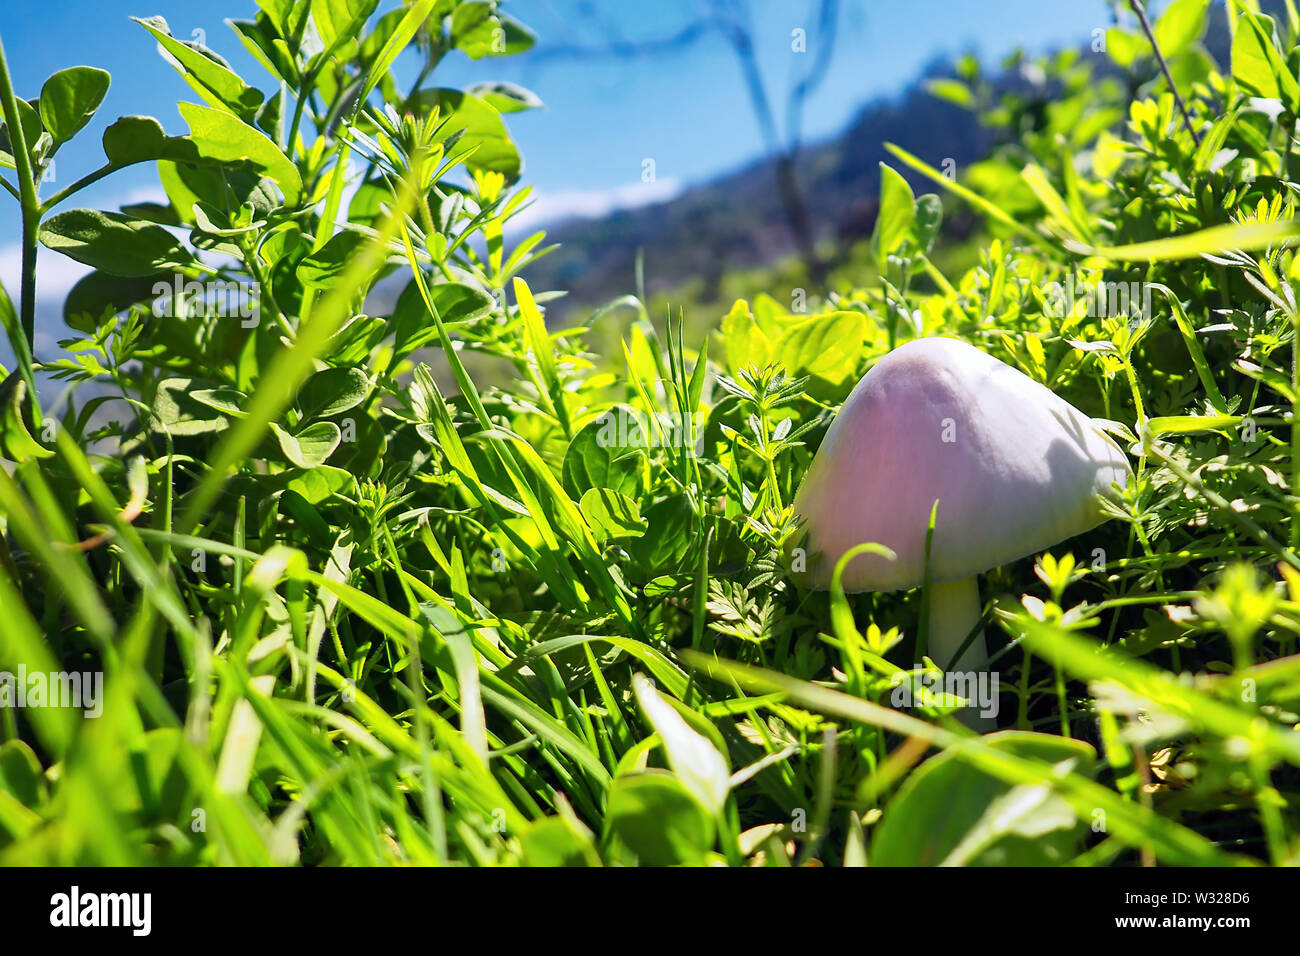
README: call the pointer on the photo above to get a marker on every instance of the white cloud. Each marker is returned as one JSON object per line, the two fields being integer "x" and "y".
{"x": 550, "y": 208}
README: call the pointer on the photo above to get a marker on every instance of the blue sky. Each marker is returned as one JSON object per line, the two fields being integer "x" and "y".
{"x": 687, "y": 110}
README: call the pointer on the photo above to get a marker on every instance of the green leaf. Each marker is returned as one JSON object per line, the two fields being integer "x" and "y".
{"x": 990, "y": 209}
{"x": 416, "y": 16}
{"x": 113, "y": 243}
{"x": 611, "y": 514}
{"x": 228, "y": 401}
{"x": 211, "y": 78}
{"x": 30, "y": 121}
{"x": 480, "y": 126}
{"x": 1216, "y": 239}
{"x": 539, "y": 343}
{"x": 412, "y": 324}
{"x": 1036, "y": 178}
{"x": 20, "y": 774}
{"x": 324, "y": 267}
{"x": 98, "y": 293}
{"x": 1256, "y": 63}
{"x": 929, "y": 215}
{"x": 177, "y": 412}
{"x": 475, "y": 30}
{"x": 603, "y": 454}
{"x": 947, "y": 806}
{"x": 338, "y": 21}
{"x": 259, "y": 39}
{"x": 670, "y": 529}
{"x": 224, "y": 138}
{"x": 557, "y": 841}
{"x": 311, "y": 446}
{"x": 322, "y": 482}
{"x": 1180, "y": 26}
{"x": 519, "y": 39}
{"x": 951, "y": 91}
{"x": 692, "y": 756}
{"x": 745, "y": 342}
{"x": 505, "y": 97}
{"x": 1124, "y": 47}
{"x": 658, "y": 819}
{"x": 135, "y": 139}
{"x": 69, "y": 99}
{"x": 16, "y": 441}
{"x": 333, "y": 391}
{"x": 1189, "y": 424}
{"x": 894, "y": 220}
{"x": 827, "y": 345}
{"x": 285, "y": 15}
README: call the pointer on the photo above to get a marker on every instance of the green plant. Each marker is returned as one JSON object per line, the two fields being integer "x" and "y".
{"x": 351, "y": 611}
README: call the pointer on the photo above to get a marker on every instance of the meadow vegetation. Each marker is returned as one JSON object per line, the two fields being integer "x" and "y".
{"x": 347, "y": 614}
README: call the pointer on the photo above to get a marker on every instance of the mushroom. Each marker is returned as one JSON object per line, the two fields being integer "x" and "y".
{"x": 1014, "y": 469}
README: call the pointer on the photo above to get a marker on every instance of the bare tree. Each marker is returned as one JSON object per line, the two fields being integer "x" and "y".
{"x": 732, "y": 20}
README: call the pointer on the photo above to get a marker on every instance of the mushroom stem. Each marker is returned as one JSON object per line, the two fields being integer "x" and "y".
{"x": 954, "y": 610}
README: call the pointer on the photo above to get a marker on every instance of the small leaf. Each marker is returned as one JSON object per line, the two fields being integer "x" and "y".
{"x": 611, "y": 514}
{"x": 136, "y": 139}
{"x": 30, "y": 121}
{"x": 229, "y": 401}
{"x": 894, "y": 220}
{"x": 669, "y": 531}
{"x": 98, "y": 293}
{"x": 505, "y": 97}
{"x": 746, "y": 343}
{"x": 322, "y": 482}
{"x": 69, "y": 99}
{"x": 1256, "y": 63}
{"x": 411, "y": 322}
{"x": 952, "y": 91}
{"x": 338, "y": 21}
{"x": 333, "y": 391}
{"x": 603, "y": 454}
{"x": 16, "y": 442}
{"x": 20, "y": 774}
{"x": 177, "y": 412}
{"x": 557, "y": 841}
{"x": 479, "y": 124}
{"x": 929, "y": 214}
{"x": 311, "y": 446}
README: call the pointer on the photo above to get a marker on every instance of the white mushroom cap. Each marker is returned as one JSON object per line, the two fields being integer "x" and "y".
{"x": 1014, "y": 467}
